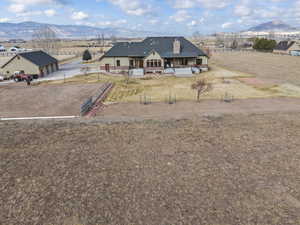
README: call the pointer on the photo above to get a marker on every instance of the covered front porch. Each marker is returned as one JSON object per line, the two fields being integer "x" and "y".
{"x": 182, "y": 62}
{"x": 160, "y": 65}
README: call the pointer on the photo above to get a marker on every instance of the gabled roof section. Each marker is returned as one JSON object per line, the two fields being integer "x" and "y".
{"x": 162, "y": 45}
{"x": 152, "y": 51}
{"x": 38, "y": 58}
{"x": 284, "y": 45}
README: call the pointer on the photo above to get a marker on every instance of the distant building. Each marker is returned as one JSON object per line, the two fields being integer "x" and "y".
{"x": 287, "y": 47}
{"x": 16, "y": 41}
{"x": 32, "y": 63}
{"x": 2, "y": 48}
{"x": 154, "y": 54}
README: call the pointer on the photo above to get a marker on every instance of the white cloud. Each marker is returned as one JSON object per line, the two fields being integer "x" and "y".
{"x": 242, "y": 10}
{"x": 227, "y": 25}
{"x": 194, "y": 23}
{"x": 4, "y": 20}
{"x": 210, "y": 4}
{"x": 113, "y": 23}
{"x": 17, "y": 8}
{"x": 133, "y": 7}
{"x": 37, "y": 2}
{"x": 153, "y": 21}
{"x": 180, "y": 16}
{"x": 79, "y": 15}
{"x": 50, "y": 12}
{"x": 20, "y": 6}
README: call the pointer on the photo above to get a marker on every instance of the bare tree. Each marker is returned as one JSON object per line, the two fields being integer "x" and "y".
{"x": 126, "y": 75}
{"x": 113, "y": 39}
{"x": 46, "y": 40}
{"x": 234, "y": 44}
{"x": 201, "y": 86}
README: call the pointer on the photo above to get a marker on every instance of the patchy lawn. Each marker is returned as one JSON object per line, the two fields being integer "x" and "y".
{"x": 160, "y": 88}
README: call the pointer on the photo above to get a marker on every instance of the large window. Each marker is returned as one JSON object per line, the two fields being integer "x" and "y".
{"x": 154, "y": 63}
{"x": 118, "y": 63}
{"x": 199, "y": 61}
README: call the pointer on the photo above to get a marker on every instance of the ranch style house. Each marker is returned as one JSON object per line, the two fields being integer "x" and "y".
{"x": 153, "y": 55}
{"x": 37, "y": 63}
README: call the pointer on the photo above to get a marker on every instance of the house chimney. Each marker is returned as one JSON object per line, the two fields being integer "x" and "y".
{"x": 176, "y": 46}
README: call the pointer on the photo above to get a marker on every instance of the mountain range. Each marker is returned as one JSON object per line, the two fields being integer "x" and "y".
{"x": 276, "y": 25}
{"x": 25, "y": 30}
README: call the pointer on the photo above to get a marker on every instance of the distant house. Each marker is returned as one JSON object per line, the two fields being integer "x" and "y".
{"x": 2, "y": 48}
{"x": 33, "y": 63}
{"x": 287, "y": 47}
{"x": 154, "y": 54}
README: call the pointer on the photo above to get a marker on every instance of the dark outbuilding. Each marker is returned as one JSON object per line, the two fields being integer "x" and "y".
{"x": 33, "y": 63}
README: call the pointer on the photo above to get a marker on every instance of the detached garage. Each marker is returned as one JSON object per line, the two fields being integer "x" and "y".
{"x": 33, "y": 63}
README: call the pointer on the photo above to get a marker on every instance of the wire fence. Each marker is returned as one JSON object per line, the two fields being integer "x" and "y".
{"x": 89, "y": 104}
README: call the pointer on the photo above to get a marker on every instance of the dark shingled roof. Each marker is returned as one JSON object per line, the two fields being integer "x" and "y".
{"x": 162, "y": 45}
{"x": 284, "y": 45}
{"x": 39, "y": 58}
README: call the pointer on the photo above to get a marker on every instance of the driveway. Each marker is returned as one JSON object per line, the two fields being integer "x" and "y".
{"x": 69, "y": 70}
{"x": 65, "y": 71}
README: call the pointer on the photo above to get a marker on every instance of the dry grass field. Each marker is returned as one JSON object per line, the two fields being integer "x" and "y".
{"x": 19, "y": 100}
{"x": 215, "y": 170}
{"x": 191, "y": 109}
{"x": 270, "y": 67}
{"x": 224, "y": 82}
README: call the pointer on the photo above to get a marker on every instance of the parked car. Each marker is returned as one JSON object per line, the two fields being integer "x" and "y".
{"x": 16, "y": 49}
{"x": 21, "y": 76}
{"x": 1, "y": 78}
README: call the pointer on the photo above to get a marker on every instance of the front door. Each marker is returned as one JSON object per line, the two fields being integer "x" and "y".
{"x": 141, "y": 64}
{"x": 107, "y": 67}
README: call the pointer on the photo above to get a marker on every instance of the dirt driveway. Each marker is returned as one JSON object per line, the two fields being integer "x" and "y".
{"x": 19, "y": 100}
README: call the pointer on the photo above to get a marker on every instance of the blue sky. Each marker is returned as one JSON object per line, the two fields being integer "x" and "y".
{"x": 172, "y": 16}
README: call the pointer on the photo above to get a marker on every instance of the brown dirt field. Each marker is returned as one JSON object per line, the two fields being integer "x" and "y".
{"x": 20, "y": 100}
{"x": 188, "y": 109}
{"x": 214, "y": 170}
{"x": 276, "y": 68}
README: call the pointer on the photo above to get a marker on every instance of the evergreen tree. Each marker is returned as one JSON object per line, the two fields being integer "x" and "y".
{"x": 86, "y": 55}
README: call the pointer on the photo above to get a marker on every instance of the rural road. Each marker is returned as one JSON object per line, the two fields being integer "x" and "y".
{"x": 67, "y": 70}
